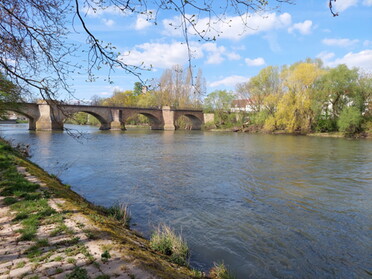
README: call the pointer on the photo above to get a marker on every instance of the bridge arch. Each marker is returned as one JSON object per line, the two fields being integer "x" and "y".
{"x": 102, "y": 115}
{"x": 30, "y": 111}
{"x": 197, "y": 118}
{"x": 155, "y": 117}
{"x": 101, "y": 120}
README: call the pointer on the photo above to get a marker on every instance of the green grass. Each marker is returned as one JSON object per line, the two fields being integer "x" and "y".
{"x": 166, "y": 241}
{"x": 121, "y": 213}
{"x": 220, "y": 271}
{"x": 78, "y": 273}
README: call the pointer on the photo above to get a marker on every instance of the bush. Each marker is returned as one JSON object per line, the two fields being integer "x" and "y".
{"x": 219, "y": 271}
{"x": 350, "y": 120}
{"x": 322, "y": 125}
{"x": 121, "y": 213}
{"x": 165, "y": 240}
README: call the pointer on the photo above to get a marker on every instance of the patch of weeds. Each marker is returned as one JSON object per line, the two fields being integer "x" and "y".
{"x": 45, "y": 256}
{"x": 165, "y": 240}
{"x": 20, "y": 264}
{"x": 57, "y": 259}
{"x": 35, "y": 251}
{"x": 31, "y": 212}
{"x": 71, "y": 260}
{"x": 78, "y": 273}
{"x": 97, "y": 218}
{"x": 53, "y": 219}
{"x": 103, "y": 277}
{"x": 31, "y": 196}
{"x": 20, "y": 216}
{"x": 198, "y": 273}
{"x": 34, "y": 277}
{"x": 121, "y": 213}
{"x": 62, "y": 228}
{"x": 80, "y": 225}
{"x": 59, "y": 270}
{"x": 91, "y": 234}
{"x": 9, "y": 200}
{"x": 69, "y": 242}
{"x": 220, "y": 271}
{"x": 132, "y": 276}
{"x": 105, "y": 256}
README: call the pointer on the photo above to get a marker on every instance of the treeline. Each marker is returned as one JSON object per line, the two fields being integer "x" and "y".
{"x": 301, "y": 98}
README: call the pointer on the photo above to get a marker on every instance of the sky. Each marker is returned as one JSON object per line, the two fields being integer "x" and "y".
{"x": 284, "y": 36}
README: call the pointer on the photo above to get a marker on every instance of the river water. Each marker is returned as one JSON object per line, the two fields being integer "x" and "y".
{"x": 267, "y": 206}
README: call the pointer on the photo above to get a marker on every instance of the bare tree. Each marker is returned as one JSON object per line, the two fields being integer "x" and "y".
{"x": 35, "y": 53}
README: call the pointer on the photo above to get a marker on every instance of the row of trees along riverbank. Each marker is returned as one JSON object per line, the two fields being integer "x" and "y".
{"x": 304, "y": 97}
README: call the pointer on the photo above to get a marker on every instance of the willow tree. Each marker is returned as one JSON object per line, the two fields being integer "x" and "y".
{"x": 295, "y": 108}
{"x": 34, "y": 35}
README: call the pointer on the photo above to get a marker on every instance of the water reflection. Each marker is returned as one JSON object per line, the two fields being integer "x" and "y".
{"x": 268, "y": 206}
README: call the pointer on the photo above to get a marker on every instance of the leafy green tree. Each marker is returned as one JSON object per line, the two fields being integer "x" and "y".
{"x": 294, "y": 112}
{"x": 336, "y": 89}
{"x": 137, "y": 90}
{"x": 219, "y": 102}
{"x": 10, "y": 94}
{"x": 350, "y": 120}
{"x": 267, "y": 82}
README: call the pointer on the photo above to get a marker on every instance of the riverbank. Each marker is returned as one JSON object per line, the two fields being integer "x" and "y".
{"x": 363, "y": 135}
{"x": 49, "y": 231}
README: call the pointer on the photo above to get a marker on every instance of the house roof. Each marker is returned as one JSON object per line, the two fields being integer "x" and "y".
{"x": 241, "y": 103}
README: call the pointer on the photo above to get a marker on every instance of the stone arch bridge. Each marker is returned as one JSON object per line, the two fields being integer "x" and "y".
{"x": 51, "y": 115}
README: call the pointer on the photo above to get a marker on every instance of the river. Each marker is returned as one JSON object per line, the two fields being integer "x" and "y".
{"x": 267, "y": 206}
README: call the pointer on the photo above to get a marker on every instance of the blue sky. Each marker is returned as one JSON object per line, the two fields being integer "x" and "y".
{"x": 284, "y": 36}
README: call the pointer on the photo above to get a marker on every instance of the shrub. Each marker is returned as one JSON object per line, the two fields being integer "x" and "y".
{"x": 121, "y": 213}
{"x": 165, "y": 240}
{"x": 219, "y": 271}
{"x": 322, "y": 125}
{"x": 350, "y": 120}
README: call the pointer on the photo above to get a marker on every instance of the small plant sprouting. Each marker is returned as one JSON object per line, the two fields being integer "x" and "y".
{"x": 220, "y": 271}
{"x": 121, "y": 213}
{"x": 166, "y": 241}
{"x": 105, "y": 256}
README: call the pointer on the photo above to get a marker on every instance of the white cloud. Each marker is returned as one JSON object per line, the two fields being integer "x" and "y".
{"x": 144, "y": 20}
{"x": 229, "y": 81}
{"x": 233, "y": 28}
{"x": 216, "y": 54}
{"x": 156, "y": 55}
{"x": 367, "y": 2}
{"x": 325, "y": 56}
{"x": 108, "y": 22}
{"x": 342, "y": 5}
{"x": 233, "y": 56}
{"x": 162, "y": 55}
{"x": 272, "y": 39}
{"x": 339, "y": 42}
{"x": 255, "y": 62}
{"x": 362, "y": 60}
{"x": 367, "y": 43}
{"x": 303, "y": 28}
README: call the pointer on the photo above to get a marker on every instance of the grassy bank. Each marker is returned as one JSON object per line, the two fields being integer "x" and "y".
{"x": 49, "y": 230}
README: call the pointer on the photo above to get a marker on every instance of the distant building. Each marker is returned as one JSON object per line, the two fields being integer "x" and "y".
{"x": 241, "y": 105}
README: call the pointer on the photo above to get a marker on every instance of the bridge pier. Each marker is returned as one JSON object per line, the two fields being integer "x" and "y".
{"x": 168, "y": 118}
{"x": 48, "y": 119}
{"x": 117, "y": 124}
